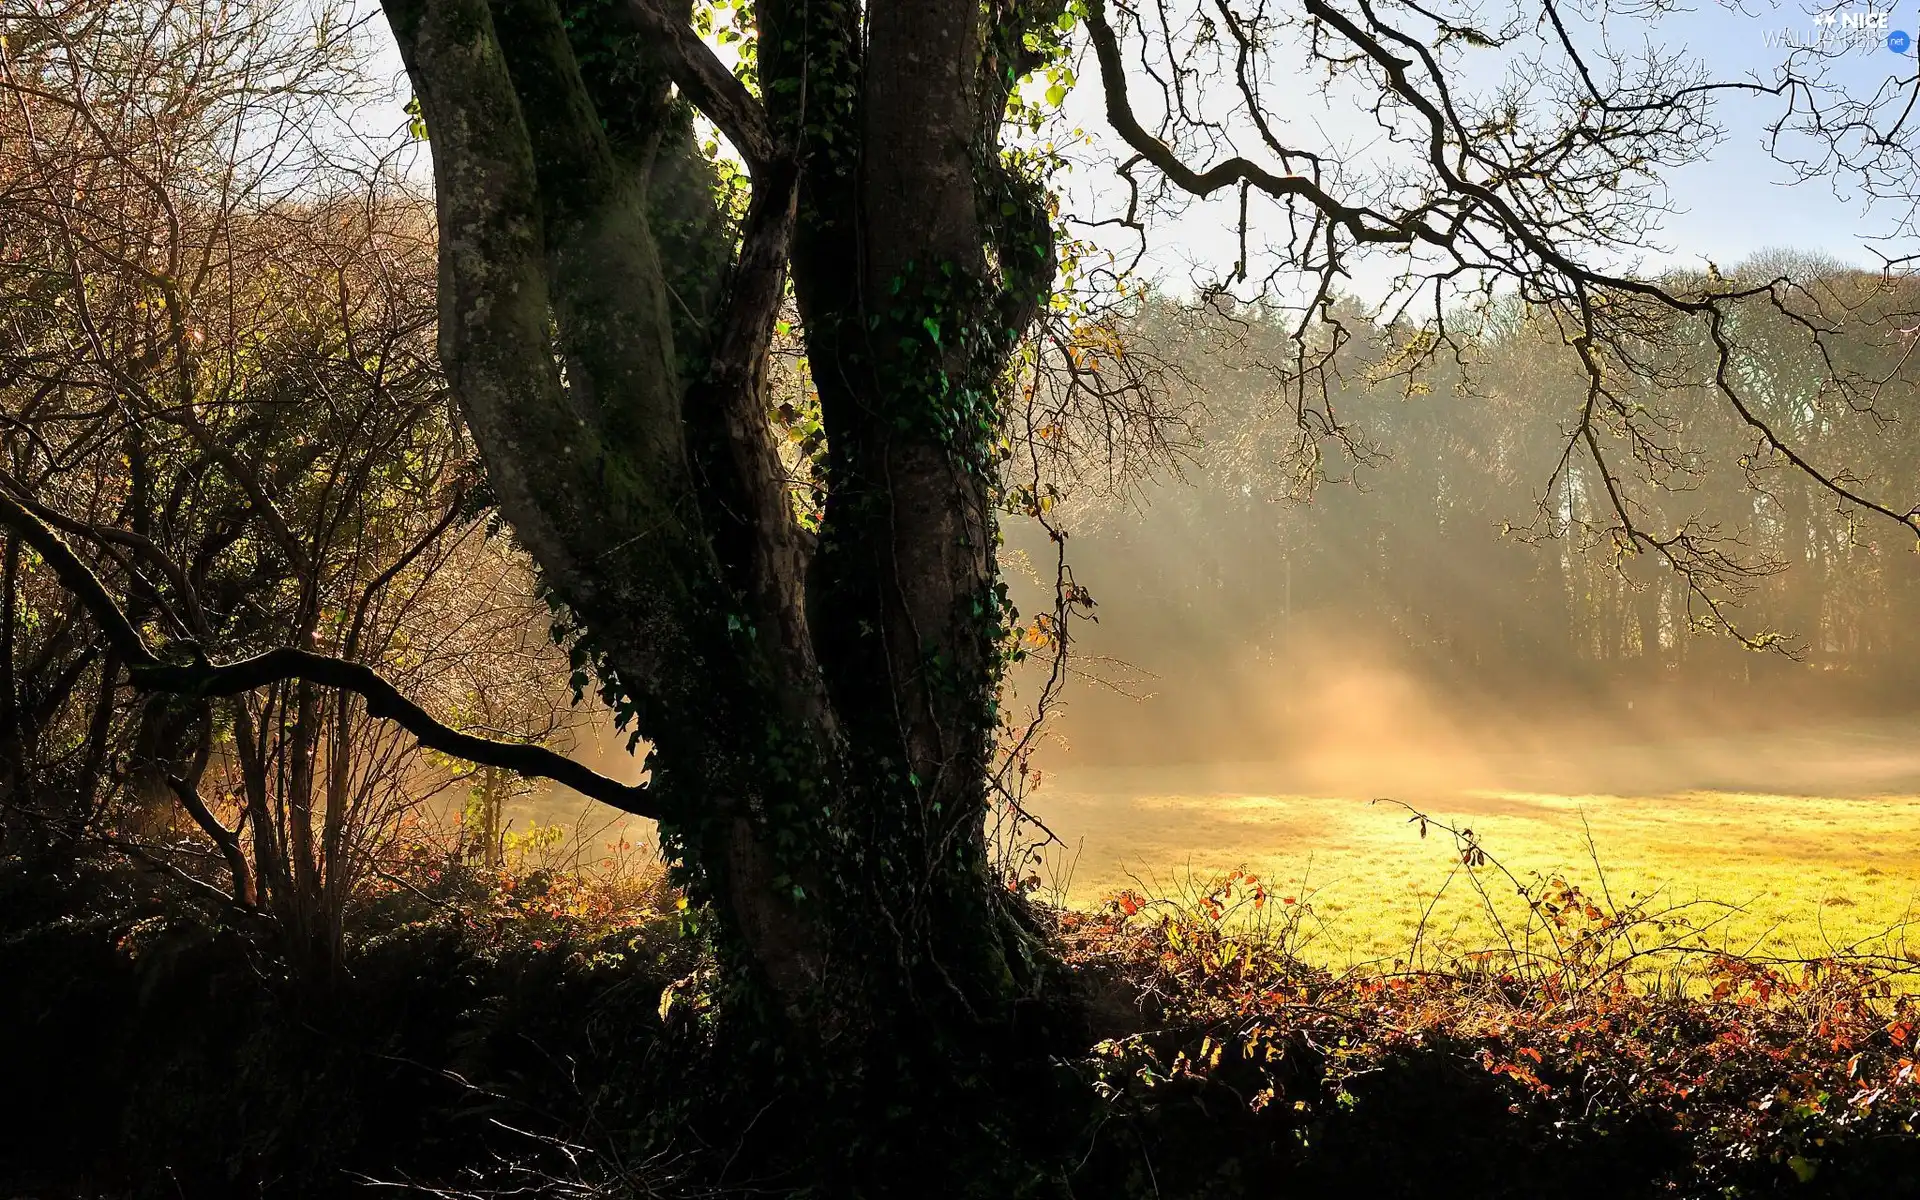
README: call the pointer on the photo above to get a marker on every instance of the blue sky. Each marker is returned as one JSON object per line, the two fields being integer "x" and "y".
{"x": 1734, "y": 203}
{"x": 1741, "y": 200}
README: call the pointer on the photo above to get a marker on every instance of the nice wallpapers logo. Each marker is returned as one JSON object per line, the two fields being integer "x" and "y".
{"x": 1845, "y": 29}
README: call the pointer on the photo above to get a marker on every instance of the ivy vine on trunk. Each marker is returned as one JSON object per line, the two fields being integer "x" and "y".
{"x": 820, "y": 704}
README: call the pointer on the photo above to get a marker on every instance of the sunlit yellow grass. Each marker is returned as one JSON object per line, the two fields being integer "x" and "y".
{"x": 1808, "y": 873}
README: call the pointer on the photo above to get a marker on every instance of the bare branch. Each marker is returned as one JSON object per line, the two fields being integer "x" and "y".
{"x": 149, "y": 672}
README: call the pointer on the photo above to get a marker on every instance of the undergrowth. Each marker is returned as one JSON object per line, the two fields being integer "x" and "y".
{"x": 486, "y": 1024}
{"x": 534, "y": 1029}
{"x": 1597, "y": 1050}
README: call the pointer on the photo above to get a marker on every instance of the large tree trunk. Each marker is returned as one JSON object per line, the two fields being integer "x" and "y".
{"x": 820, "y": 714}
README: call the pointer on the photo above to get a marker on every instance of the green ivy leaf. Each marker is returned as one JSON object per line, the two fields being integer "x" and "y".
{"x": 416, "y": 121}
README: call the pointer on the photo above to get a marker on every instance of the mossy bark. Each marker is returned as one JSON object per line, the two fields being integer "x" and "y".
{"x": 820, "y": 711}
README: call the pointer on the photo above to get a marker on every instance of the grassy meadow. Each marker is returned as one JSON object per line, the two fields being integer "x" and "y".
{"x": 1764, "y": 857}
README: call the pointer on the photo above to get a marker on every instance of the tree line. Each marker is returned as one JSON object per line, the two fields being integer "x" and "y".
{"x": 1447, "y": 523}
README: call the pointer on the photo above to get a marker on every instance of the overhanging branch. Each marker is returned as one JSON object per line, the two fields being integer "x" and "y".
{"x": 1537, "y": 208}
{"x": 1362, "y": 224}
{"x": 149, "y": 672}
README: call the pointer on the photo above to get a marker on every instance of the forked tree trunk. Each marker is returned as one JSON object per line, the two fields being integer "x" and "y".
{"x": 820, "y": 710}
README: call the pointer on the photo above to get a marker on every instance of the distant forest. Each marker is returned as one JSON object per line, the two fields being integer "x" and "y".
{"x": 1453, "y": 534}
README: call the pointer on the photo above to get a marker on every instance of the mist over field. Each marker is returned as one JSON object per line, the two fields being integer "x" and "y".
{"x": 1331, "y": 712}
{"x": 1451, "y": 622}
